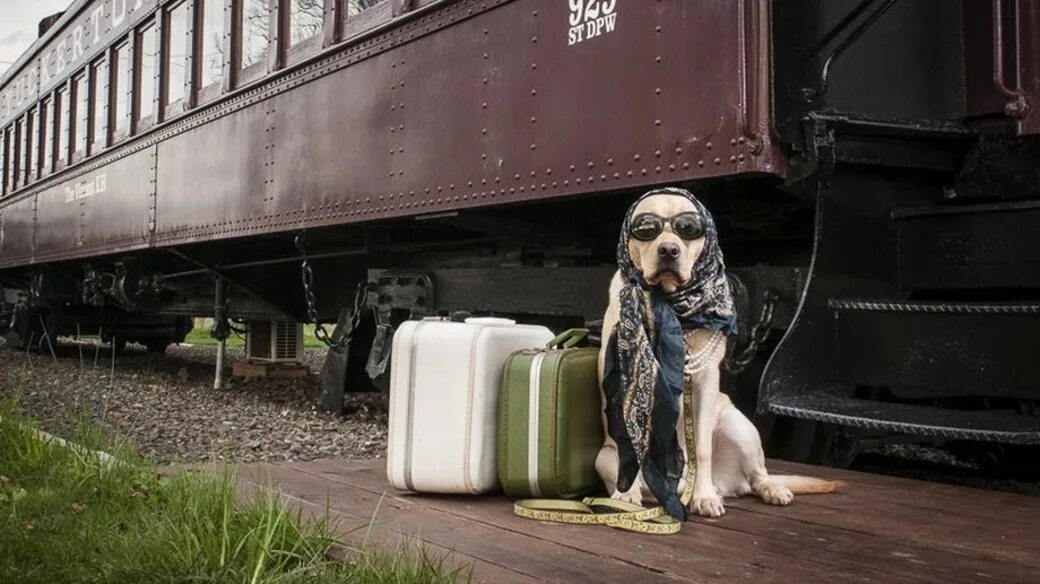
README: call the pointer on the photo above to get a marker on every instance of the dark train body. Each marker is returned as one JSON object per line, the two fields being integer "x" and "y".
{"x": 871, "y": 162}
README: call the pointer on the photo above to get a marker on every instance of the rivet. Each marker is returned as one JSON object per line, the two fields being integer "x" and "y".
{"x": 592, "y": 165}
{"x": 657, "y": 91}
{"x": 708, "y": 146}
{"x": 657, "y": 60}
{"x": 657, "y": 29}
{"x": 657, "y": 170}
{"x": 484, "y": 81}
{"x": 740, "y": 157}
{"x": 543, "y": 186}
{"x": 469, "y": 184}
{"x": 484, "y": 131}
{"x": 700, "y": 163}
{"x": 485, "y": 55}
{"x": 484, "y": 105}
{"x": 657, "y": 153}
{"x": 678, "y": 151}
{"x": 483, "y": 156}
{"x": 686, "y": 166}
{"x": 534, "y": 65}
{"x": 602, "y": 177}
{"x": 657, "y": 122}
{"x": 718, "y": 161}
{"x": 733, "y": 142}
{"x": 610, "y": 162}
{"x": 636, "y": 157}
{"x": 732, "y": 158}
{"x": 533, "y": 147}
{"x": 533, "y": 120}
{"x": 548, "y": 171}
{"x": 644, "y": 172}
{"x": 741, "y": 140}
{"x": 533, "y": 174}
{"x": 534, "y": 39}
{"x": 629, "y": 174}
{"x": 516, "y": 176}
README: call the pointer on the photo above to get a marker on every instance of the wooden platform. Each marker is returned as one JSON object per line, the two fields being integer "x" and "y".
{"x": 881, "y": 529}
{"x": 268, "y": 370}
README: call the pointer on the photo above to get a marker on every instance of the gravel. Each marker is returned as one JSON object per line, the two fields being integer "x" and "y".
{"x": 167, "y": 405}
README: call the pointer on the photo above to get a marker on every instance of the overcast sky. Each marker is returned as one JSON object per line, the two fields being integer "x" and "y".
{"x": 18, "y": 22}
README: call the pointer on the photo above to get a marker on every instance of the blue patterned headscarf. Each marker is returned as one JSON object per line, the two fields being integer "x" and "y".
{"x": 643, "y": 377}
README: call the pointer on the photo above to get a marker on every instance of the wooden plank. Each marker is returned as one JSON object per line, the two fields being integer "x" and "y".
{"x": 970, "y": 521}
{"x": 517, "y": 552}
{"x": 704, "y": 552}
{"x": 249, "y": 369}
{"x": 899, "y": 553}
{"x": 920, "y": 490}
{"x": 345, "y": 528}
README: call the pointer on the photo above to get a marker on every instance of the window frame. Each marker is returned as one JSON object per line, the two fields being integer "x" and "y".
{"x": 208, "y": 93}
{"x": 352, "y": 25}
{"x": 4, "y": 160}
{"x": 306, "y": 48}
{"x": 246, "y": 74}
{"x": 13, "y": 140}
{"x": 30, "y": 156}
{"x": 116, "y": 135}
{"x": 140, "y": 124}
{"x": 76, "y": 153}
{"x": 98, "y": 144}
{"x": 45, "y": 150}
{"x": 63, "y": 124}
{"x": 173, "y": 109}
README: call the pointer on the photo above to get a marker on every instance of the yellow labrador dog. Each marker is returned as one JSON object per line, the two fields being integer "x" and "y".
{"x": 729, "y": 457}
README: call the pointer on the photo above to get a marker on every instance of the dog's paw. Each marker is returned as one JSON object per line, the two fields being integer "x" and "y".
{"x": 633, "y": 496}
{"x": 707, "y": 505}
{"x": 775, "y": 493}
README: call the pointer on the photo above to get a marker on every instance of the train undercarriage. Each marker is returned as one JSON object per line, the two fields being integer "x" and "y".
{"x": 836, "y": 267}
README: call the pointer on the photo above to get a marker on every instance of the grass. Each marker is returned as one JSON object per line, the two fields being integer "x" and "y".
{"x": 200, "y": 336}
{"x": 68, "y": 516}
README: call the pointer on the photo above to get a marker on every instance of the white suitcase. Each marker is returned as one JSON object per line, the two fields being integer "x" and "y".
{"x": 445, "y": 380}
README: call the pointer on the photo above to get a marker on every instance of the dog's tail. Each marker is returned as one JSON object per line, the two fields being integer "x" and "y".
{"x": 807, "y": 485}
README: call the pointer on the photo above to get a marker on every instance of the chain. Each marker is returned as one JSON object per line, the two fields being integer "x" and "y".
{"x": 307, "y": 276}
{"x": 759, "y": 334}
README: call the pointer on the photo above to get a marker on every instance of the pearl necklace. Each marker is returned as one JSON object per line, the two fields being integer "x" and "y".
{"x": 698, "y": 361}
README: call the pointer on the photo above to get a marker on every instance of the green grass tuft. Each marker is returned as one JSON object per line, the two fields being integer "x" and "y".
{"x": 67, "y": 515}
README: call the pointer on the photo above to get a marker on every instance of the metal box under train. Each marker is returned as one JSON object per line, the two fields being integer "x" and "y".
{"x": 872, "y": 165}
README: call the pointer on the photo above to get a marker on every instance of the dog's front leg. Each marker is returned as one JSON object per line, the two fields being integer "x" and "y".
{"x": 706, "y": 500}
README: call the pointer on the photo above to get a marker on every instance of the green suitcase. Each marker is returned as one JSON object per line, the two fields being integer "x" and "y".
{"x": 550, "y": 424}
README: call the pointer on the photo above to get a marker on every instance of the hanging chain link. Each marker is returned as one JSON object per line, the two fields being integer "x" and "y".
{"x": 307, "y": 276}
{"x": 759, "y": 334}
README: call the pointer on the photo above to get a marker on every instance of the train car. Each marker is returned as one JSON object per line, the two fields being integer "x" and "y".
{"x": 872, "y": 165}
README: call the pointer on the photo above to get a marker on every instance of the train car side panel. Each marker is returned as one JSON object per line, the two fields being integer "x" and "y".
{"x": 17, "y": 232}
{"x": 108, "y": 209}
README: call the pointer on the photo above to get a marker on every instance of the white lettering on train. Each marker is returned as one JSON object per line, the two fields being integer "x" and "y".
{"x": 590, "y": 19}
{"x": 86, "y": 188}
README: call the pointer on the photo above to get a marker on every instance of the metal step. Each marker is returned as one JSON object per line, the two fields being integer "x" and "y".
{"x": 909, "y": 419}
{"x": 932, "y": 349}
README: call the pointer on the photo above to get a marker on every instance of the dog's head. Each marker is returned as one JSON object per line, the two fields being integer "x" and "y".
{"x": 665, "y": 239}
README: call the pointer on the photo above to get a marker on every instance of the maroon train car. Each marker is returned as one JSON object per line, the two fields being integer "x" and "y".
{"x": 871, "y": 164}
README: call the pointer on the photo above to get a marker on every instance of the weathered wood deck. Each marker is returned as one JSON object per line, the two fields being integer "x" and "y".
{"x": 881, "y": 529}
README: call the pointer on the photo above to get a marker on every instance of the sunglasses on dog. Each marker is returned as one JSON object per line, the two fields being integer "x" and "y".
{"x": 647, "y": 226}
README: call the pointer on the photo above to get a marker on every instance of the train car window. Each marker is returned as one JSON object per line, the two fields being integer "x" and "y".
{"x": 15, "y": 178}
{"x": 144, "y": 69}
{"x": 29, "y": 147}
{"x": 306, "y": 18}
{"x": 355, "y": 7}
{"x": 175, "y": 47}
{"x": 81, "y": 114}
{"x": 255, "y": 29}
{"x": 211, "y": 43}
{"x": 3, "y": 162}
{"x": 121, "y": 91}
{"x": 46, "y": 137}
{"x": 61, "y": 127}
{"x": 99, "y": 105}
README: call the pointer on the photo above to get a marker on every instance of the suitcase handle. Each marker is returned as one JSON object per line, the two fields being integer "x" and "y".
{"x": 568, "y": 339}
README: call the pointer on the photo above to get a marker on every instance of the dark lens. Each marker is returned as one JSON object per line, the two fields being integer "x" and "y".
{"x": 688, "y": 226}
{"x": 646, "y": 227}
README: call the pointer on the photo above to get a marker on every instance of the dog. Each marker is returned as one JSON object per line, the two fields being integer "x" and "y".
{"x": 729, "y": 458}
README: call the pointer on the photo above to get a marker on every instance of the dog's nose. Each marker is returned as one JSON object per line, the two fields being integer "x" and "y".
{"x": 668, "y": 251}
